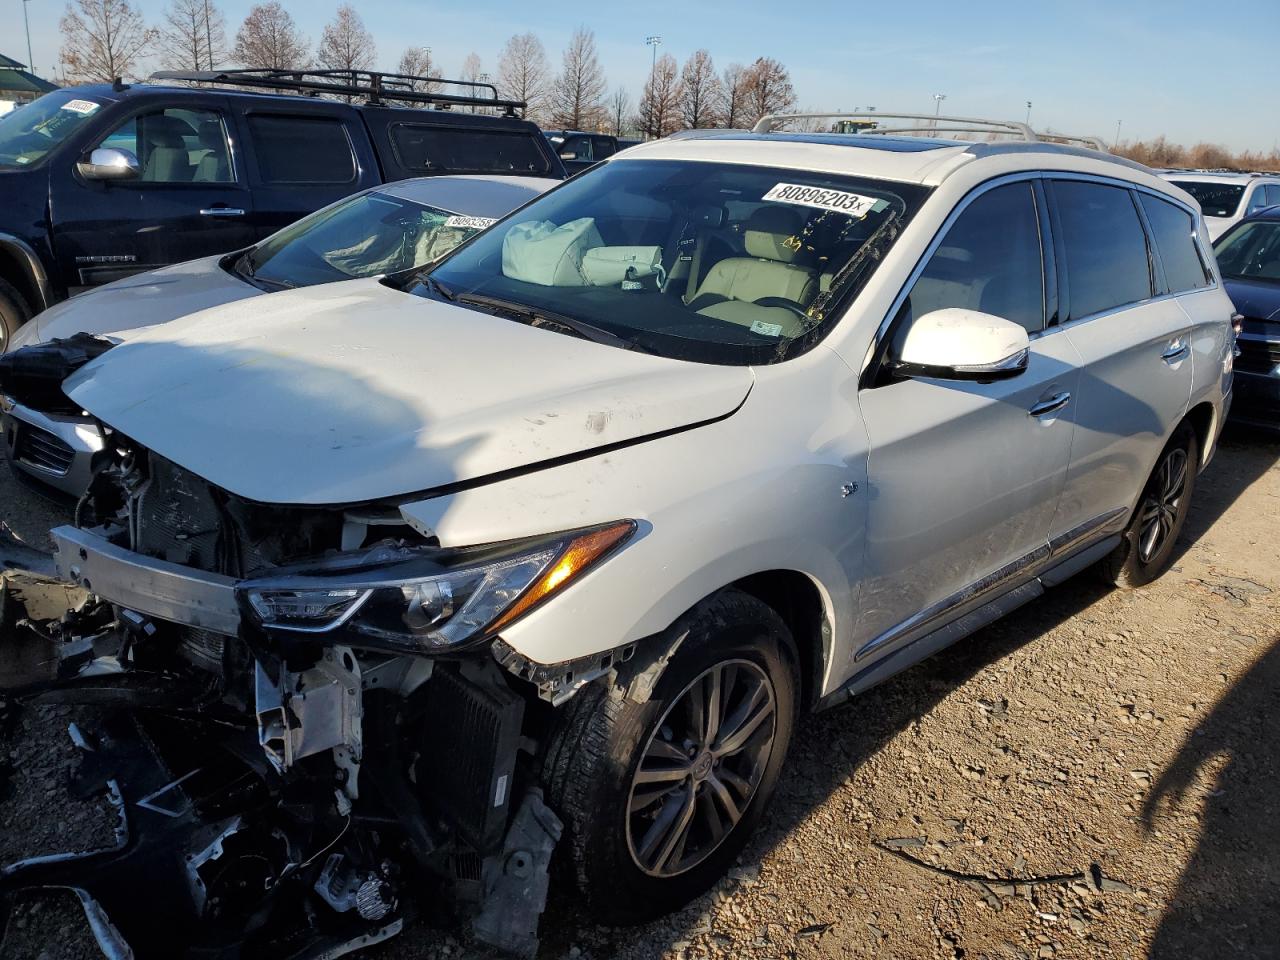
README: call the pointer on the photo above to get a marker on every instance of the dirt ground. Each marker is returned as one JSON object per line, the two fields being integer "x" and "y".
{"x": 1098, "y": 775}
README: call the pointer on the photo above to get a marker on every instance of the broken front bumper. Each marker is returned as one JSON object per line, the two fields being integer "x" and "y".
{"x": 56, "y": 451}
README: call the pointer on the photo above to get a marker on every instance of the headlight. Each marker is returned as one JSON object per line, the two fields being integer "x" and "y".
{"x": 428, "y": 600}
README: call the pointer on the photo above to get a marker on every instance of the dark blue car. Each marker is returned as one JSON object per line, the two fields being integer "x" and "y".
{"x": 1249, "y": 256}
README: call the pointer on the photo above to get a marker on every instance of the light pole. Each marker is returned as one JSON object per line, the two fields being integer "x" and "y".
{"x": 1028, "y": 113}
{"x": 31, "y": 64}
{"x": 1117, "y": 143}
{"x": 653, "y": 73}
{"x": 653, "y": 42}
{"x": 937, "y": 109}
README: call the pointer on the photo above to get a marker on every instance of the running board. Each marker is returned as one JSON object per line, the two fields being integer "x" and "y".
{"x": 971, "y": 622}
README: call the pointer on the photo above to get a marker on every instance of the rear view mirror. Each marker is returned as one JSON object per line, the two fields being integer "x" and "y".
{"x": 956, "y": 344}
{"x": 110, "y": 163}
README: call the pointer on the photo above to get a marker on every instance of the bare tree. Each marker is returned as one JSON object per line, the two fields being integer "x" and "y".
{"x": 733, "y": 95}
{"x": 102, "y": 40}
{"x": 270, "y": 40}
{"x": 346, "y": 44}
{"x": 193, "y": 36}
{"x": 577, "y": 96}
{"x": 660, "y": 103}
{"x": 523, "y": 72}
{"x": 472, "y": 67}
{"x": 768, "y": 90}
{"x": 416, "y": 62}
{"x": 700, "y": 98}
{"x": 619, "y": 112}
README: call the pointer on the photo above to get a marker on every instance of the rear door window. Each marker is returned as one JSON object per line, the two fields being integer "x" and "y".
{"x": 1273, "y": 194}
{"x": 433, "y": 148}
{"x": 990, "y": 260}
{"x": 297, "y": 150}
{"x": 1173, "y": 230}
{"x": 1104, "y": 246}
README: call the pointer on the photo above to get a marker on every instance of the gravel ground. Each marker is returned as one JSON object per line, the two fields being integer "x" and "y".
{"x": 1095, "y": 776}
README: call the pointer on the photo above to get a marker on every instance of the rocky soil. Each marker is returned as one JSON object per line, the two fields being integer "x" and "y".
{"x": 1098, "y": 775}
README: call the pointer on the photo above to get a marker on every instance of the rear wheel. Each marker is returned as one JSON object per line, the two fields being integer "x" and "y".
{"x": 659, "y": 797}
{"x": 1146, "y": 550}
{"x": 14, "y": 312}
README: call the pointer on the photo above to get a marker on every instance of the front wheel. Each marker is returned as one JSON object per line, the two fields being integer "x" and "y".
{"x": 659, "y": 797}
{"x": 1146, "y": 549}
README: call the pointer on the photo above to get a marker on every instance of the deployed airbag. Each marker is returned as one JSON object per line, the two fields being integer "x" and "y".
{"x": 542, "y": 253}
{"x": 609, "y": 266}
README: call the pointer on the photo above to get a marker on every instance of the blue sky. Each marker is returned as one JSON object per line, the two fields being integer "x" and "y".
{"x": 1185, "y": 70}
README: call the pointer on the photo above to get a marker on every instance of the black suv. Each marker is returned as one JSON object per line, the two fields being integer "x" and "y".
{"x": 98, "y": 182}
{"x": 579, "y": 150}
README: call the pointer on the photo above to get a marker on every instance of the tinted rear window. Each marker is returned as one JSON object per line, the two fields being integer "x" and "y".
{"x": 1106, "y": 248}
{"x": 1173, "y": 230}
{"x": 1215, "y": 199}
{"x": 302, "y": 149}
{"x": 435, "y": 149}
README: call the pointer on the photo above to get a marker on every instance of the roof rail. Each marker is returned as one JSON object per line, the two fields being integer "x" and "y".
{"x": 375, "y": 86}
{"x": 1093, "y": 143}
{"x": 933, "y": 124}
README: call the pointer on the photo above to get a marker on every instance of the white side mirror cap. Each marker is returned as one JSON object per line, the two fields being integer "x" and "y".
{"x": 957, "y": 344}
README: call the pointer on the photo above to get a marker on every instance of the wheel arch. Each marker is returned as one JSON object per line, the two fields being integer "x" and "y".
{"x": 800, "y": 602}
{"x": 20, "y": 265}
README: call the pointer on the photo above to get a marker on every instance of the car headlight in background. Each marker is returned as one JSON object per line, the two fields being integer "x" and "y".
{"x": 424, "y": 601}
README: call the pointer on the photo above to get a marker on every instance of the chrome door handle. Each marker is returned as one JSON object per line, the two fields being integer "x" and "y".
{"x": 1176, "y": 351}
{"x": 1056, "y": 402}
{"x": 222, "y": 212}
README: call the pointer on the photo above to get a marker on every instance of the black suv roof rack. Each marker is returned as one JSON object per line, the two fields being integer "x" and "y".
{"x": 374, "y": 86}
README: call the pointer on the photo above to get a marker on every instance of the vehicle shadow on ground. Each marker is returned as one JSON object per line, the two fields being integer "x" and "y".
{"x": 830, "y": 747}
{"x": 1226, "y": 899}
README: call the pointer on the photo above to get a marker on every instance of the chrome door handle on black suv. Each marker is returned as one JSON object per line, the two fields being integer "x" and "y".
{"x": 222, "y": 212}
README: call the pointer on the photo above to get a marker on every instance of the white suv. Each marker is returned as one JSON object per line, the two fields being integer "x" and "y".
{"x": 729, "y": 428}
{"x": 1225, "y": 197}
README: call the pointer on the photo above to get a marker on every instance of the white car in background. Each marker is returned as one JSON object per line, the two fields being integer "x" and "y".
{"x": 1226, "y": 197}
{"x": 584, "y": 518}
{"x": 382, "y": 230}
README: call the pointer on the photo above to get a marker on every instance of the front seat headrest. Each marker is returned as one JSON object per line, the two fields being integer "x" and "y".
{"x": 211, "y": 135}
{"x": 165, "y": 131}
{"x": 768, "y": 230}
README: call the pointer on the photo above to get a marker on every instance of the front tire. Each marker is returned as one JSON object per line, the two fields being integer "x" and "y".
{"x": 1146, "y": 550}
{"x": 659, "y": 797}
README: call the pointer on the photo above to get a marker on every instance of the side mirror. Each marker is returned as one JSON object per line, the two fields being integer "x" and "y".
{"x": 110, "y": 163}
{"x": 956, "y": 344}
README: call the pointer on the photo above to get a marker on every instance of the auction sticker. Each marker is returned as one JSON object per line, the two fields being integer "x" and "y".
{"x": 839, "y": 201}
{"x": 82, "y": 107}
{"x": 471, "y": 223}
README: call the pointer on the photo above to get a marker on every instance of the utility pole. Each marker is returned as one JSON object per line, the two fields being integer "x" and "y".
{"x": 31, "y": 64}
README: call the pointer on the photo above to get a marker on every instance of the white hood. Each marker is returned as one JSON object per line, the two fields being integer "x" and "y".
{"x": 353, "y": 391}
{"x": 144, "y": 300}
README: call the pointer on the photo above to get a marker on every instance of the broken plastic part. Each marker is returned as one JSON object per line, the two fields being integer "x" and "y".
{"x": 33, "y": 376}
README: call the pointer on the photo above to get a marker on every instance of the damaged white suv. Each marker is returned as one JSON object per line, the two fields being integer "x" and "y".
{"x": 404, "y": 582}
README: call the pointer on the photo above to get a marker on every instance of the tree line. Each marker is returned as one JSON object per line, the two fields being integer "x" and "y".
{"x": 105, "y": 39}
{"x": 1202, "y": 156}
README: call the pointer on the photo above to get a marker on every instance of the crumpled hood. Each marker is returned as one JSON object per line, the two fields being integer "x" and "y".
{"x": 354, "y": 391}
{"x": 144, "y": 300}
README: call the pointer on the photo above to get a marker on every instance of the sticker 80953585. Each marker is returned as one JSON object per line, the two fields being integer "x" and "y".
{"x": 839, "y": 201}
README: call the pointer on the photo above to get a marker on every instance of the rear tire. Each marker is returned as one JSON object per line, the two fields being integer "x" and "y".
{"x": 635, "y": 858}
{"x": 1146, "y": 550}
{"x": 14, "y": 312}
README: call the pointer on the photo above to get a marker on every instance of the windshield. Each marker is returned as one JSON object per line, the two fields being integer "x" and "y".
{"x": 30, "y": 132}
{"x": 1251, "y": 251}
{"x": 365, "y": 236}
{"x": 1215, "y": 199}
{"x": 718, "y": 263}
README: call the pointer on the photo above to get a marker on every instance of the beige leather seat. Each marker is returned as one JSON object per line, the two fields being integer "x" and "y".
{"x": 740, "y": 289}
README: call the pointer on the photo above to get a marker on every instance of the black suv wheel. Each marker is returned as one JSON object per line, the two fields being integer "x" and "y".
{"x": 14, "y": 312}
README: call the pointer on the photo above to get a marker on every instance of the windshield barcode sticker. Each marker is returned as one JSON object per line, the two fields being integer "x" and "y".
{"x": 82, "y": 107}
{"x": 839, "y": 201}
{"x": 471, "y": 223}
